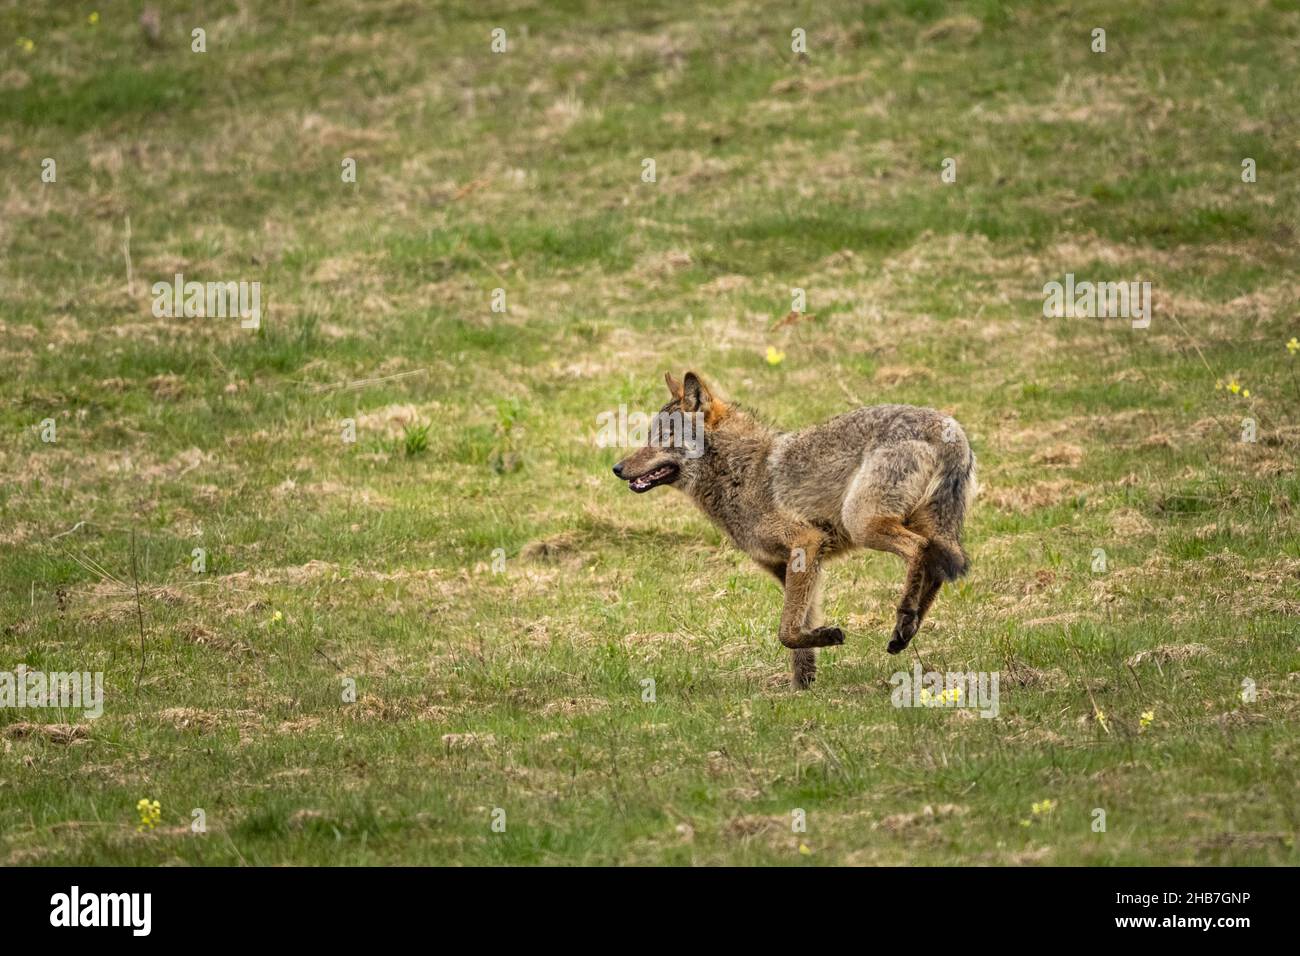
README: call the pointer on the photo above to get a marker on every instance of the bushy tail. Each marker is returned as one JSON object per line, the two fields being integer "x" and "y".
{"x": 944, "y": 556}
{"x": 945, "y": 560}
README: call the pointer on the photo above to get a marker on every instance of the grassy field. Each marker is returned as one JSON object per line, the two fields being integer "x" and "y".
{"x": 496, "y": 596}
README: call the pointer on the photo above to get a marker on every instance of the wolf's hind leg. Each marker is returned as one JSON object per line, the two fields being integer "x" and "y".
{"x": 886, "y": 489}
{"x": 918, "y": 594}
{"x": 883, "y": 510}
{"x": 925, "y": 576}
{"x": 927, "y": 598}
{"x": 887, "y": 533}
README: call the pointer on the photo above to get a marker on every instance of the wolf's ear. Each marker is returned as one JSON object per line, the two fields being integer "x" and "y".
{"x": 696, "y": 397}
{"x": 674, "y": 386}
{"x": 695, "y": 394}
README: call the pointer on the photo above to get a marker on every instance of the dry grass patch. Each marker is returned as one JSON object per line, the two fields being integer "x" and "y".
{"x": 927, "y": 815}
{"x": 1025, "y": 498}
{"x": 1169, "y": 653}
{"x": 54, "y": 733}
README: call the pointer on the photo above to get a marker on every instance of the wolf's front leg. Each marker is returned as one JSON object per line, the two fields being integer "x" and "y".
{"x": 804, "y": 664}
{"x": 802, "y": 582}
{"x": 803, "y": 668}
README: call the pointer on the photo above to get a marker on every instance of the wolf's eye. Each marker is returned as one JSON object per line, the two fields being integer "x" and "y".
{"x": 661, "y": 431}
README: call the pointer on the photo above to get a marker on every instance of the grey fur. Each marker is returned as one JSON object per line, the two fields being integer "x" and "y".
{"x": 895, "y": 478}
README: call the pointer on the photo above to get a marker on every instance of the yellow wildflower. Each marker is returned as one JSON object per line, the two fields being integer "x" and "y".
{"x": 150, "y": 813}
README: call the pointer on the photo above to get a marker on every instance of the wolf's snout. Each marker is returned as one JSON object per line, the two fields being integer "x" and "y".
{"x": 618, "y": 470}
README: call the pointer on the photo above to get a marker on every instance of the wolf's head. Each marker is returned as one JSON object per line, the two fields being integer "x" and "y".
{"x": 678, "y": 437}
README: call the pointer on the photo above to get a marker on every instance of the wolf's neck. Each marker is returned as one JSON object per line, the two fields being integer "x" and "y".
{"x": 732, "y": 486}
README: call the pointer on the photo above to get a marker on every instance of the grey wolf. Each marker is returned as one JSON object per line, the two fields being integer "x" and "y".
{"x": 893, "y": 478}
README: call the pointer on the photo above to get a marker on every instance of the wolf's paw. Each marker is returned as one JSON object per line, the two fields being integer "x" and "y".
{"x": 825, "y": 637}
{"x": 904, "y": 630}
{"x": 817, "y": 637}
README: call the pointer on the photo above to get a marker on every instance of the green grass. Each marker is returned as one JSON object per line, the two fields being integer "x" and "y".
{"x": 497, "y": 599}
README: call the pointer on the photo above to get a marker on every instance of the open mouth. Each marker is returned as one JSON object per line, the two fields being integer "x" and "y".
{"x": 660, "y": 476}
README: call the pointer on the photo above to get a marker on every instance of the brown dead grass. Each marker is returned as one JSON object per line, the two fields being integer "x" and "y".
{"x": 1169, "y": 653}
{"x": 54, "y": 733}
{"x": 1062, "y": 455}
{"x": 1025, "y": 498}
{"x": 928, "y": 814}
